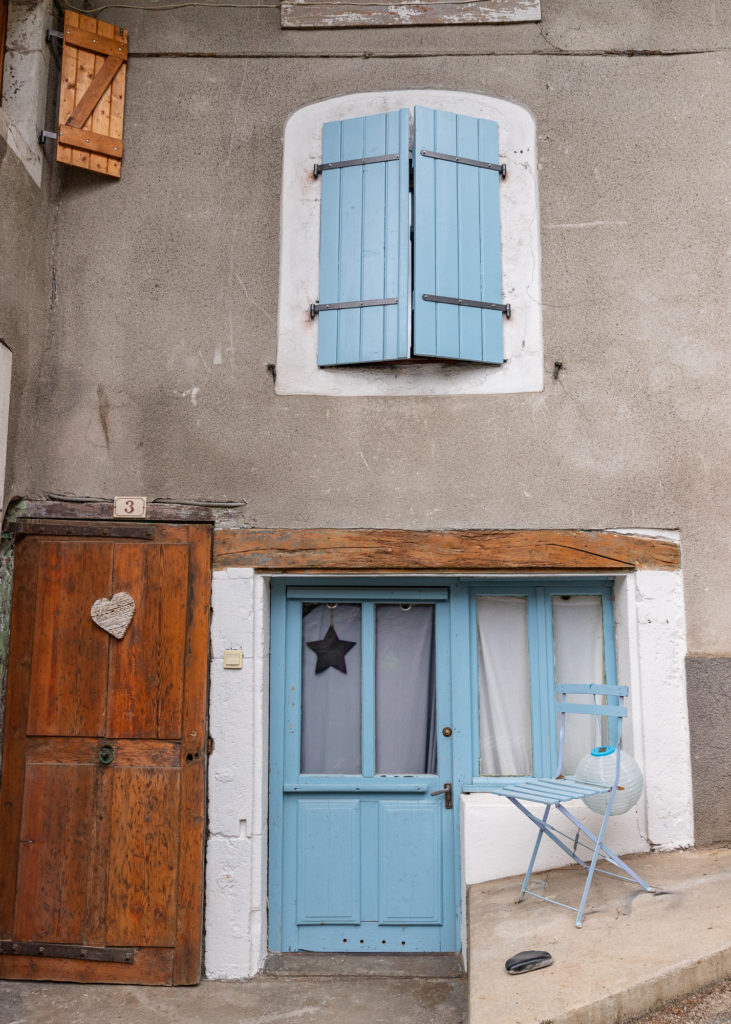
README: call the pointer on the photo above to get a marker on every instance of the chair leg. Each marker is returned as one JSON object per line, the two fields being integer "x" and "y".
{"x": 529, "y": 872}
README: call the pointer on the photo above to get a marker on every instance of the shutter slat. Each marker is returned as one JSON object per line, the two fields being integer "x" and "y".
{"x": 457, "y": 238}
{"x": 364, "y": 240}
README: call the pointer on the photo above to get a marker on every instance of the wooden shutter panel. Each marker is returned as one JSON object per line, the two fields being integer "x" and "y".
{"x": 364, "y": 240}
{"x": 91, "y": 104}
{"x": 456, "y": 238}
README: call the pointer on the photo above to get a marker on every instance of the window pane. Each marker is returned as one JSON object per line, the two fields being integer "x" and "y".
{"x": 504, "y": 686}
{"x": 405, "y": 690}
{"x": 331, "y": 732}
{"x": 578, "y": 655}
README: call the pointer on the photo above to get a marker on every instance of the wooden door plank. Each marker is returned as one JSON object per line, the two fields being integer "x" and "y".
{"x": 455, "y": 550}
{"x": 85, "y": 750}
{"x": 68, "y": 684}
{"x": 187, "y": 963}
{"x": 16, "y": 715}
{"x": 95, "y": 909}
{"x": 150, "y": 967}
{"x": 145, "y": 695}
{"x": 141, "y": 905}
{"x": 53, "y": 858}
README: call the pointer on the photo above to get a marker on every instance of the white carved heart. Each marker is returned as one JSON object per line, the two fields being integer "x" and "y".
{"x": 114, "y": 614}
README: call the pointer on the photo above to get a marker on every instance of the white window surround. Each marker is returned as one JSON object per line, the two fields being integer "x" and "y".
{"x": 650, "y": 642}
{"x": 25, "y": 80}
{"x": 297, "y": 369}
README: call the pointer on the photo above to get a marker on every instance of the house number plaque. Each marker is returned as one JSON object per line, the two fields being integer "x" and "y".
{"x": 130, "y": 508}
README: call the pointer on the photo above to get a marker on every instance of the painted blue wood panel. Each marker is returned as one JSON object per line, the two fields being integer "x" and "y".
{"x": 364, "y": 240}
{"x": 410, "y": 858}
{"x": 456, "y": 238}
{"x": 328, "y": 861}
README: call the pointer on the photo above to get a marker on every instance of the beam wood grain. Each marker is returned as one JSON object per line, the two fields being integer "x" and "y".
{"x": 453, "y": 550}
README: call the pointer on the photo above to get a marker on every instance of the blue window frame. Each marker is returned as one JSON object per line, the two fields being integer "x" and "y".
{"x": 544, "y": 660}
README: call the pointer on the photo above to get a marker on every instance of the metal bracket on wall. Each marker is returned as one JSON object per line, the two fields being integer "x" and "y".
{"x": 469, "y": 302}
{"x": 500, "y": 168}
{"x": 316, "y": 307}
{"x": 319, "y": 168}
{"x": 46, "y": 135}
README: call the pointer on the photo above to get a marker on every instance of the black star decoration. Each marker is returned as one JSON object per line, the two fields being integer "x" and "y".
{"x": 330, "y": 651}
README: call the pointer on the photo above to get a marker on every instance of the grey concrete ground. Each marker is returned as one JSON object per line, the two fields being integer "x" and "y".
{"x": 634, "y": 952}
{"x": 263, "y": 1000}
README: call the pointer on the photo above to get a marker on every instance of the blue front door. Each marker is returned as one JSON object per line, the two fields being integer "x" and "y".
{"x": 363, "y": 857}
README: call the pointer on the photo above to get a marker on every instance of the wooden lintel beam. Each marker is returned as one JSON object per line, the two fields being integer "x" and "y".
{"x": 452, "y": 550}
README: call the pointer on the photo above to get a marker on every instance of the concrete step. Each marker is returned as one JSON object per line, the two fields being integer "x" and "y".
{"x": 364, "y": 965}
{"x": 634, "y": 951}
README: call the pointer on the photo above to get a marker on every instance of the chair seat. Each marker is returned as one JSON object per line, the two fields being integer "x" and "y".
{"x": 545, "y": 791}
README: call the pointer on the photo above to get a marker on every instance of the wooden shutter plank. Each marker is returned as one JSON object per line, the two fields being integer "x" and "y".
{"x": 100, "y": 117}
{"x": 352, "y": 14}
{"x": 364, "y": 240}
{"x": 102, "y": 79}
{"x": 92, "y": 94}
{"x": 101, "y": 40}
{"x": 456, "y": 238}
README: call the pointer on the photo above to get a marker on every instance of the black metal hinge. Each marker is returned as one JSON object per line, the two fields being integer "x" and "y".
{"x": 500, "y": 168}
{"x": 319, "y": 168}
{"x": 504, "y": 308}
{"x": 317, "y": 307}
{"x": 112, "y": 954}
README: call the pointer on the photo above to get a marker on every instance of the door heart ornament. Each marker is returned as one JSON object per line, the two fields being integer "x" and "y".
{"x": 114, "y": 614}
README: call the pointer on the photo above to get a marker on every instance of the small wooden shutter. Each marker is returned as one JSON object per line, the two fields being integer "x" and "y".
{"x": 91, "y": 104}
{"x": 456, "y": 238}
{"x": 364, "y": 240}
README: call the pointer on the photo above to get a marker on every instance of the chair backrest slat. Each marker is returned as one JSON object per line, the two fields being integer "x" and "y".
{"x": 593, "y": 688}
{"x": 608, "y": 710}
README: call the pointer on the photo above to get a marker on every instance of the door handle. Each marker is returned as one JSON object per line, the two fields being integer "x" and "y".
{"x": 447, "y": 793}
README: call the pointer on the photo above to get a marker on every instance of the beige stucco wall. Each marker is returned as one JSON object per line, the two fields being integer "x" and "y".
{"x": 178, "y": 261}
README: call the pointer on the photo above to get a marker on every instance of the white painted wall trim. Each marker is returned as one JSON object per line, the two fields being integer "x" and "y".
{"x": 496, "y": 840}
{"x": 297, "y": 369}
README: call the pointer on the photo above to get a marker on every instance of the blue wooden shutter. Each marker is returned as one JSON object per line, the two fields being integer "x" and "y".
{"x": 456, "y": 238}
{"x": 364, "y": 240}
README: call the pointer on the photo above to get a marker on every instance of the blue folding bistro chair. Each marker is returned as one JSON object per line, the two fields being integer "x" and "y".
{"x": 556, "y": 791}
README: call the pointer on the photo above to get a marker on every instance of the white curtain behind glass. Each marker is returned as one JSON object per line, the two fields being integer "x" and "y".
{"x": 578, "y": 652}
{"x": 504, "y": 686}
{"x": 331, "y": 729}
{"x": 405, "y": 704}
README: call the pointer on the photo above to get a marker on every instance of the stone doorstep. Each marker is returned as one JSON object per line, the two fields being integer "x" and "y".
{"x": 365, "y": 965}
{"x": 634, "y": 952}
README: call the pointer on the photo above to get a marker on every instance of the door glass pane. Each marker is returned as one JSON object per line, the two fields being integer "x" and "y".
{"x": 578, "y": 655}
{"x": 504, "y": 686}
{"x": 331, "y": 729}
{"x": 405, "y": 690}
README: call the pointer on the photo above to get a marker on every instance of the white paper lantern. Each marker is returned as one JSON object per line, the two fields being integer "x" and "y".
{"x": 599, "y": 768}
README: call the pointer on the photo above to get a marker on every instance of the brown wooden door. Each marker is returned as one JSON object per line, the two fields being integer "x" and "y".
{"x": 101, "y": 865}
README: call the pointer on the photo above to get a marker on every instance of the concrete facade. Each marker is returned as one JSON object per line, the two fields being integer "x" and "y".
{"x": 142, "y": 317}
